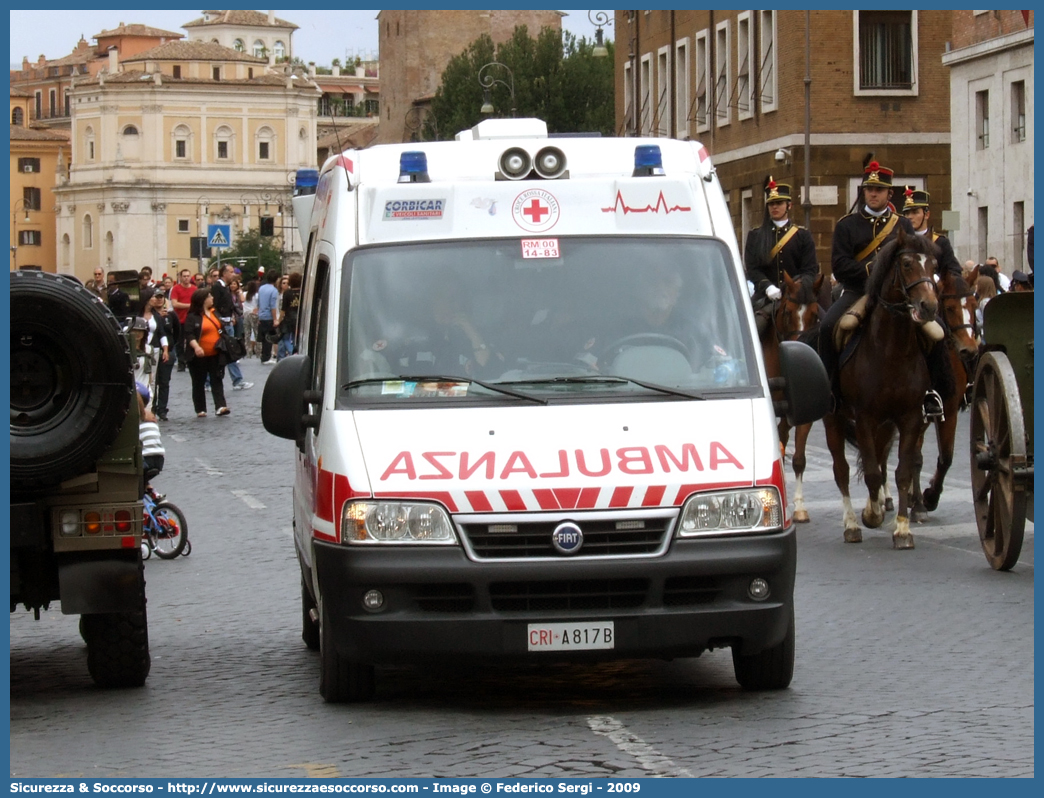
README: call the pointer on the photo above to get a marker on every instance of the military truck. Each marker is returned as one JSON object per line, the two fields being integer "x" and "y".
{"x": 76, "y": 472}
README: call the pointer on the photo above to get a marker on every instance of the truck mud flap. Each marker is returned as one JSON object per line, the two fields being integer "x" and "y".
{"x": 101, "y": 585}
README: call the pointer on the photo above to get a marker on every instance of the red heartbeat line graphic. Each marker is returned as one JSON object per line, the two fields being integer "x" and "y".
{"x": 660, "y": 203}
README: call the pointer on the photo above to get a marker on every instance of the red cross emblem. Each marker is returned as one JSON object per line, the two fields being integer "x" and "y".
{"x": 536, "y": 211}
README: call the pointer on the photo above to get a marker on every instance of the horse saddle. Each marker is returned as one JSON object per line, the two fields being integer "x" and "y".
{"x": 931, "y": 331}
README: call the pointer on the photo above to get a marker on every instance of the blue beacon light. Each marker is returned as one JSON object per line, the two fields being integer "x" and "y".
{"x": 647, "y": 161}
{"x": 413, "y": 168}
{"x": 305, "y": 182}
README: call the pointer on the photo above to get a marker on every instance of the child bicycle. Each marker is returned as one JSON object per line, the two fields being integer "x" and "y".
{"x": 164, "y": 528}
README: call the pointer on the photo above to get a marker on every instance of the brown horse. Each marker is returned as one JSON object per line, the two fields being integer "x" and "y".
{"x": 958, "y": 305}
{"x": 883, "y": 382}
{"x": 796, "y": 317}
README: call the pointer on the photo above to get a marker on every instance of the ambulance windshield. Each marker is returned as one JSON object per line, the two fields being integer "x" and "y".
{"x": 569, "y": 318}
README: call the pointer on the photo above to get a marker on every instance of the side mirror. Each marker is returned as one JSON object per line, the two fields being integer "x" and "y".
{"x": 285, "y": 403}
{"x": 806, "y": 387}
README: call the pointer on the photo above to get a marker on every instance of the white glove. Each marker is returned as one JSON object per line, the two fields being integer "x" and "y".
{"x": 773, "y": 293}
{"x": 750, "y": 288}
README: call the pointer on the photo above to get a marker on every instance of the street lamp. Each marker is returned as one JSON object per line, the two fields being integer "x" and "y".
{"x": 487, "y": 81}
{"x": 202, "y": 204}
{"x": 599, "y": 19}
{"x": 418, "y": 115}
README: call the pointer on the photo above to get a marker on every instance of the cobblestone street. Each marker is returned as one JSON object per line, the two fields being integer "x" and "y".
{"x": 909, "y": 663}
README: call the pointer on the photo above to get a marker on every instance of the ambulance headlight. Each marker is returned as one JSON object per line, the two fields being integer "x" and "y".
{"x": 376, "y": 522}
{"x": 732, "y": 512}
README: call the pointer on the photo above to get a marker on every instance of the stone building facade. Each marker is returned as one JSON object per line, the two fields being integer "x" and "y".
{"x": 36, "y": 156}
{"x": 416, "y": 46}
{"x": 173, "y": 139}
{"x": 991, "y": 114}
{"x": 252, "y": 32}
{"x": 50, "y": 81}
{"x": 735, "y": 81}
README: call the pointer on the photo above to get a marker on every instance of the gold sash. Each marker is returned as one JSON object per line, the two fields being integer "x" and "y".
{"x": 889, "y": 226}
{"x": 779, "y": 244}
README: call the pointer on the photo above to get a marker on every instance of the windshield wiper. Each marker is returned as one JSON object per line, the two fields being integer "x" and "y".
{"x": 443, "y": 378}
{"x": 611, "y": 378}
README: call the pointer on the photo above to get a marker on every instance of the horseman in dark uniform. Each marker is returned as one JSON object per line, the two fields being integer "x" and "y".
{"x": 779, "y": 246}
{"x": 915, "y": 209}
{"x": 857, "y": 239}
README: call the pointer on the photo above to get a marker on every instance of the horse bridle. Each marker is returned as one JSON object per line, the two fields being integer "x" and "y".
{"x": 902, "y": 307}
{"x": 974, "y": 326}
{"x": 783, "y": 331}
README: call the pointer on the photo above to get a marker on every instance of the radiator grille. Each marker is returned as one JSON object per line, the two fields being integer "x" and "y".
{"x": 588, "y": 594}
{"x": 533, "y": 539}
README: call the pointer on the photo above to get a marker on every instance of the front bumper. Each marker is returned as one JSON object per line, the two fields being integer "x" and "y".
{"x": 440, "y": 604}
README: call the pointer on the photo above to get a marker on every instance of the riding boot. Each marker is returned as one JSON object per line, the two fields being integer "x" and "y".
{"x": 942, "y": 381}
{"x": 932, "y": 407}
{"x": 762, "y": 320}
{"x": 829, "y": 355}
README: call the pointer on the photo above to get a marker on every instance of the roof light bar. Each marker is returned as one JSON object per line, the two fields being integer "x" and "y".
{"x": 647, "y": 161}
{"x": 413, "y": 167}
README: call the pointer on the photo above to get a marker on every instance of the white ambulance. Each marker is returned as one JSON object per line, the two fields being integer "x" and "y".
{"x": 531, "y": 414}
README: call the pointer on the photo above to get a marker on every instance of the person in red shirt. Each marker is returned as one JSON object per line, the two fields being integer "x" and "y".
{"x": 180, "y": 299}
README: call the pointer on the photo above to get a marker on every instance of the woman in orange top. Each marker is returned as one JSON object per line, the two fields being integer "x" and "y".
{"x": 202, "y": 331}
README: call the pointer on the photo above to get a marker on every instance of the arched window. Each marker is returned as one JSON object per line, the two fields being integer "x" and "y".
{"x": 279, "y": 49}
{"x": 259, "y": 48}
{"x": 182, "y": 142}
{"x": 88, "y": 143}
{"x": 265, "y": 144}
{"x": 109, "y": 245}
{"x": 65, "y": 250}
{"x": 239, "y": 45}
{"x": 17, "y": 116}
{"x": 130, "y": 147}
{"x": 88, "y": 232}
{"x": 224, "y": 141}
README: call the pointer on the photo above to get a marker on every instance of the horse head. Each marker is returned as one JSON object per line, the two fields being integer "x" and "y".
{"x": 798, "y": 309}
{"x": 902, "y": 278}
{"x": 959, "y": 305}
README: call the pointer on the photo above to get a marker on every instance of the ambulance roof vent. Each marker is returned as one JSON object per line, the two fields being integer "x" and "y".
{"x": 505, "y": 129}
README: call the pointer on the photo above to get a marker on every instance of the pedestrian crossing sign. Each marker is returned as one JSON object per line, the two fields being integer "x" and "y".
{"x": 219, "y": 235}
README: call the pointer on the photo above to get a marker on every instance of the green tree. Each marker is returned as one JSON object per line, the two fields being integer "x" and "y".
{"x": 556, "y": 78}
{"x": 255, "y": 249}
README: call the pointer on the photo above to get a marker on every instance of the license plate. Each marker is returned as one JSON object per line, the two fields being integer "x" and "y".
{"x": 571, "y": 636}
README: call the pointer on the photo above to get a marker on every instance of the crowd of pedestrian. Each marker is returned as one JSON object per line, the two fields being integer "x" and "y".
{"x": 178, "y": 321}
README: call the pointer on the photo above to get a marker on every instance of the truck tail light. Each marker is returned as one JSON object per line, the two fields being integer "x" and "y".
{"x": 123, "y": 521}
{"x": 92, "y": 522}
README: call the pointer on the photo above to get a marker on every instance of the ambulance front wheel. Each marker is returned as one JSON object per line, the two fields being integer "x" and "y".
{"x": 339, "y": 679}
{"x": 771, "y": 669}
{"x": 309, "y": 627}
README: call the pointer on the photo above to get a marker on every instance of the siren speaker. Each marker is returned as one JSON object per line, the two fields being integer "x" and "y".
{"x": 515, "y": 163}
{"x": 550, "y": 163}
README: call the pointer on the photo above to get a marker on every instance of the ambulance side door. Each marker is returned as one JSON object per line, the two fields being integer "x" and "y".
{"x": 313, "y": 344}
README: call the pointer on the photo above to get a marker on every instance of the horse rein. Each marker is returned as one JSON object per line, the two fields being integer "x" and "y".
{"x": 974, "y": 326}
{"x": 901, "y": 307}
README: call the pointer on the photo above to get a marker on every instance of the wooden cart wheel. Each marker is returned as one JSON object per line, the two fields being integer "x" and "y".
{"x": 998, "y": 449}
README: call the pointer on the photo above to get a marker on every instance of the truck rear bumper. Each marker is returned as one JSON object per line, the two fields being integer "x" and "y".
{"x": 438, "y": 603}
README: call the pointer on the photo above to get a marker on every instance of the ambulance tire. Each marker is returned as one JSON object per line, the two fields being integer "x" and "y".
{"x": 71, "y": 379}
{"x": 341, "y": 681}
{"x": 771, "y": 669}
{"x": 309, "y": 628}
